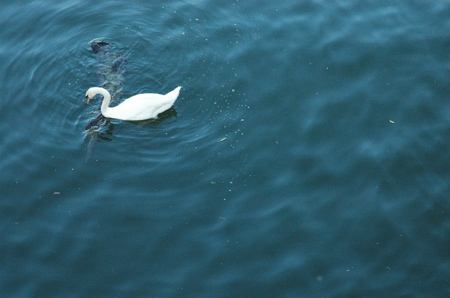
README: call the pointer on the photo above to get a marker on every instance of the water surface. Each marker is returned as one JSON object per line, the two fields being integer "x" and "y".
{"x": 307, "y": 155}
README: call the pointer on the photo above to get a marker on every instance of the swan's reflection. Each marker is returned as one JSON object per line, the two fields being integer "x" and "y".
{"x": 111, "y": 70}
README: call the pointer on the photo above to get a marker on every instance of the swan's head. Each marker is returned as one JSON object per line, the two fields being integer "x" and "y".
{"x": 92, "y": 92}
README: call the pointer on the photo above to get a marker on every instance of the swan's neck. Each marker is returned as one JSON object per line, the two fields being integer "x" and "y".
{"x": 106, "y": 100}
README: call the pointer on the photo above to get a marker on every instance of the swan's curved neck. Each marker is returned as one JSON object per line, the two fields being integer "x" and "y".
{"x": 106, "y": 99}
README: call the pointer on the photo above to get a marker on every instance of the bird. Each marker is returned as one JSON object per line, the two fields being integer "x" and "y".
{"x": 138, "y": 107}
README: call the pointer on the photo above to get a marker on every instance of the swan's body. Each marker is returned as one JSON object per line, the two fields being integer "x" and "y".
{"x": 139, "y": 107}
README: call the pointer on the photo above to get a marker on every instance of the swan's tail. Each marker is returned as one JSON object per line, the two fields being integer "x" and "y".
{"x": 174, "y": 93}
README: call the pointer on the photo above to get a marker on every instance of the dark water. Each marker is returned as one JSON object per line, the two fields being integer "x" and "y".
{"x": 333, "y": 179}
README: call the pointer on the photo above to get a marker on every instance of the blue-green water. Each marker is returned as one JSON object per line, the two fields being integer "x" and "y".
{"x": 309, "y": 154}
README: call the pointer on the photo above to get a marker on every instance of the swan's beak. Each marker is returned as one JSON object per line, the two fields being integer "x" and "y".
{"x": 88, "y": 99}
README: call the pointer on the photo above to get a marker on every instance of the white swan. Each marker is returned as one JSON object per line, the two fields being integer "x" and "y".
{"x": 139, "y": 107}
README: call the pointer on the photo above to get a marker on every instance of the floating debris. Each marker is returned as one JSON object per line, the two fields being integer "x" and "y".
{"x": 56, "y": 193}
{"x": 224, "y": 139}
{"x": 391, "y": 121}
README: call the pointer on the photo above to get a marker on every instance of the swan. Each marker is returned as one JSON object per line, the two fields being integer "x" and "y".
{"x": 138, "y": 107}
